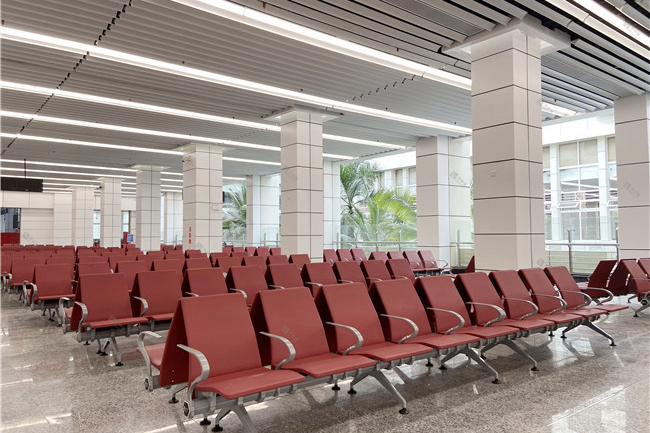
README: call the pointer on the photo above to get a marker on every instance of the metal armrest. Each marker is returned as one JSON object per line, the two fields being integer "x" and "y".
{"x": 410, "y": 322}
{"x": 205, "y": 372}
{"x": 273, "y": 286}
{"x": 502, "y": 314}
{"x": 588, "y": 299}
{"x": 563, "y": 303}
{"x": 84, "y": 315}
{"x": 532, "y": 304}
{"x": 9, "y": 276}
{"x": 145, "y": 305}
{"x": 356, "y": 333}
{"x": 609, "y": 294}
{"x": 191, "y": 294}
{"x": 290, "y": 348}
{"x": 446, "y": 263}
{"x": 346, "y": 281}
{"x": 461, "y": 321}
{"x": 315, "y": 284}
{"x": 34, "y": 293}
{"x": 142, "y": 350}
{"x": 373, "y": 279}
{"x": 25, "y": 283}
{"x": 402, "y": 277}
{"x": 62, "y": 313}
{"x": 230, "y": 289}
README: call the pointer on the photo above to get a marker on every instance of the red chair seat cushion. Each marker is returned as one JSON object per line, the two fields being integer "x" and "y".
{"x": 328, "y": 364}
{"x": 610, "y": 308}
{"x": 160, "y": 317}
{"x": 588, "y": 311}
{"x": 391, "y": 351}
{"x": 440, "y": 341}
{"x": 54, "y": 297}
{"x": 115, "y": 322}
{"x": 489, "y": 332}
{"x": 247, "y": 382}
{"x": 155, "y": 353}
{"x": 527, "y": 324}
{"x": 560, "y": 317}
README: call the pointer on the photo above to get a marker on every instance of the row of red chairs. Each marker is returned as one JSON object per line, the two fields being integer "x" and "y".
{"x": 420, "y": 261}
{"x": 348, "y": 331}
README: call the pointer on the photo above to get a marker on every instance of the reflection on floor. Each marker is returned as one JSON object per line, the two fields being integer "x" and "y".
{"x": 51, "y": 383}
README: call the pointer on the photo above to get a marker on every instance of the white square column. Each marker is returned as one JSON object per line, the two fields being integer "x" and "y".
{"x": 302, "y": 183}
{"x": 62, "y": 219}
{"x": 202, "y": 197}
{"x": 332, "y": 209}
{"x": 253, "y": 210}
{"x": 173, "y": 217}
{"x": 147, "y": 208}
{"x": 507, "y": 152}
{"x": 432, "y": 191}
{"x": 83, "y": 205}
{"x": 111, "y": 211}
{"x": 632, "y": 119}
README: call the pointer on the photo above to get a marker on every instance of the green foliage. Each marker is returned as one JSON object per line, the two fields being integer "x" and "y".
{"x": 371, "y": 214}
{"x": 234, "y": 211}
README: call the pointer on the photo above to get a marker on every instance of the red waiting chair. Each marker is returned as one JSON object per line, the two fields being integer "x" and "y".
{"x": 283, "y": 276}
{"x": 204, "y": 282}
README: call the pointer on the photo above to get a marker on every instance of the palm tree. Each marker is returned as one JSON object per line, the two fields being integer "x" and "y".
{"x": 234, "y": 211}
{"x": 358, "y": 182}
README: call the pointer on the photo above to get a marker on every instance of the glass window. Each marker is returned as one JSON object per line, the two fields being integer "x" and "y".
{"x": 568, "y": 154}
{"x": 589, "y": 152}
{"x": 546, "y": 158}
{"x": 611, "y": 149}
{"x": 97, "y": 219}
{"x": 590, "y": 223}
{"x": 398, "y": 177}
{"x": 412, "y": 180}
{"x": 126, "y": 221}
{"x": 570, "y": 221}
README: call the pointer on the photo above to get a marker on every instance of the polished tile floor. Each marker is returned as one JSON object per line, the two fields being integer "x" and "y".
{"x": 51, "y": 383}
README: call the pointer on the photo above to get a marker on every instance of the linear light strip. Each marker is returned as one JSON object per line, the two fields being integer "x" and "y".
{"x": 312, "y": 37}
{"x": 63, "y": 121}
{"x": 220, "y": 79}
{"x": 615, "y": 20}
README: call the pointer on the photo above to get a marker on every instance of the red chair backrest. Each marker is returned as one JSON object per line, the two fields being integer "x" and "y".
{"x": 378, "y": 255}
{"x": 113, "y": 260}
{"x": 220, "y": 327}
{"x": 156, "y": 255}
{"x": 92, "y": 268}
{"x": 471, "y": 266}
{"x": 321, "y": 273}
{"x": 227, "y": 249}
{"x": 374, "y": 269}
{"x": 239, "y": 254}
{"x": 169, "y": 265}
{"x": 23, "y": 269}
{"x": 617, "y": 283}
{"x": 238, "y": 249}
{"x": 400, "y": 268}
{"x": 538, "y": 283}
{"x": 477, "y": 287}
{"x": 278, "y": 259}
{"x": 638, "y": 282}
{"x": 174, "y": 255}
{"x": 160, "y": 289}
{"x": 275, "y": 251}
{"x": 509, "y": 285}
{"x": 262, "y": 251}
{"x": 197, "y": 263}
{"x": 130, "y": 269}
{"x": 350, "y": 271}
{"x": 344, "y": 255}
{"x": 644, "y": 264}
{"x": 105, "y": 295}
{"x": 190, "y": 254}
{"x": 427, "y": 259}
{"x": 292, "y": 314}
{"x": 349, "y": 304}
{"x": 91, "y": 258}
{"x": 225, "y": 263}
{"x": 414, "y": 259}
{"x": 250, "y": 250}
{"x": 358, "y": 254}
{"x": 248, "y": 279}
{"x": 37, "y": 256}
{"x": 215, "y": 256}
{"x": 441, "y": 293}
{"x": 5, "y": 263}
{"x": 329, "y": 256}
{"x": 284, "y": 275}
{"x": 53, "y": 280}
{"x": 204, "y": 282}
{"x": 62, "y": 260}
{"x": 393, "y": 255}
{"x": 398, "y": 298}
{"x": 259, "y": 261}
{"x": 299, "y": 259}
{"x": 561, "y": 277}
